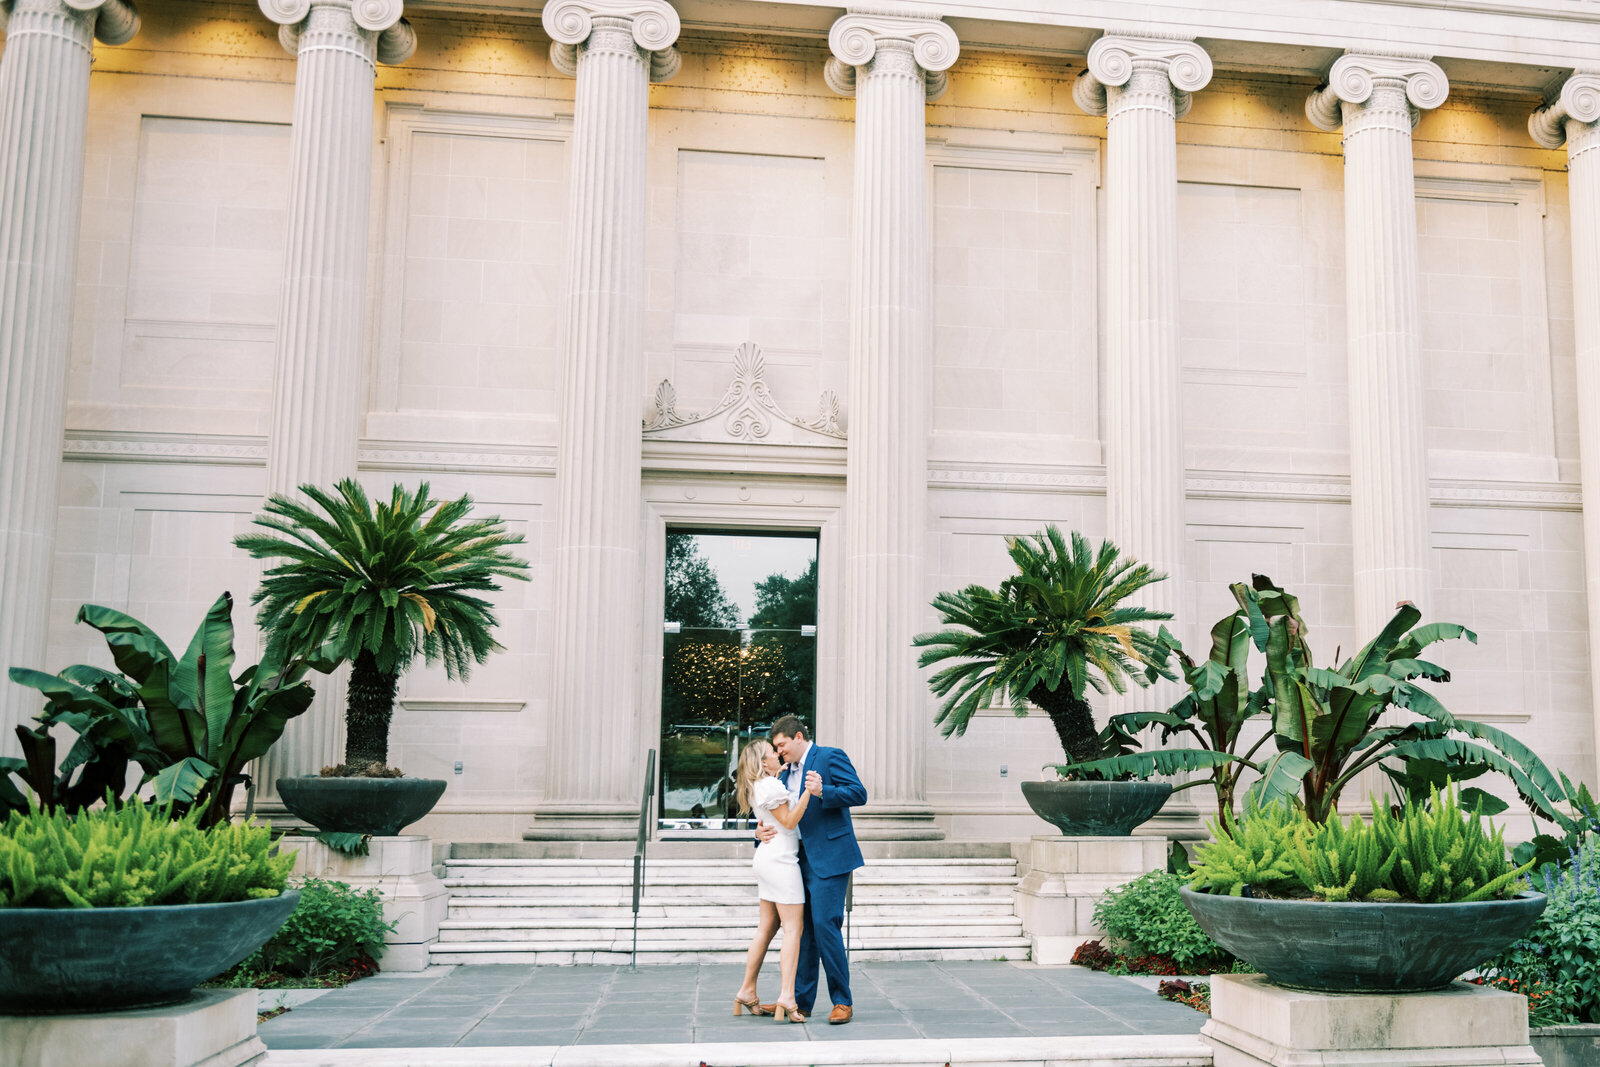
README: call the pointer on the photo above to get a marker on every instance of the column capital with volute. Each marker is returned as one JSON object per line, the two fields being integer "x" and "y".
{"x": 856, "y": 37}
{"x": 386, "y": 36}
{"x": 653, "y": 25}
{"x": 115, "y": 21}
{"x": 1356, "y": 78}
{"x": 1572, "y": 97}
{"x": 1114, "y": 58}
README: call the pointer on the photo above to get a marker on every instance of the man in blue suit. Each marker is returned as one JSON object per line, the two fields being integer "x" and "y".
{"x": 828, "y": 853}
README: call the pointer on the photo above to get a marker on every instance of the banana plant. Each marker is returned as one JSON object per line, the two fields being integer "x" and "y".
{"x": 1330, "y": 725}
{"x": 1327, "y": 726}
{"x": 1211, "y": 714}
{"x": 186, "y": 721}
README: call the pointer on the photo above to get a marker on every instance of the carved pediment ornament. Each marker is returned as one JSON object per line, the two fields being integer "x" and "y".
{"x": 747, "y": 410}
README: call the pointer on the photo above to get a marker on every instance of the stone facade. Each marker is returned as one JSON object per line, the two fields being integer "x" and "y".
{"x": 1249, "y": 290}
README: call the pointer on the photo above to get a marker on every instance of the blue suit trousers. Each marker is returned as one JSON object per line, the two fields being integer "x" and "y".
{"x": 823, "y": 938}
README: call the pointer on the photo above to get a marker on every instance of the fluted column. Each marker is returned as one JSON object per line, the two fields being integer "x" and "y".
{"x": 318, "y": 389}
{"x": 1376, "y": 100}
{"x": 1143, "y": 85}
{"x": 893, "y": 66}
{"x": 44, "y": 114}
{"x": 614, "y": 48}
{"x": 1571, "y": 115}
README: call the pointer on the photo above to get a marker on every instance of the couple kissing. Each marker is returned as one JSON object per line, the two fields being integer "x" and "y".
{"x": 801, "y": 794}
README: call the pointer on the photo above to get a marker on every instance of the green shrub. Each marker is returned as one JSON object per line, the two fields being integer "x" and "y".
{"x": 1148, "y": 915}
{"x": 1561, "y": 954}
{"x": 1431, "y": 853}
{"x": 332, "y": 924}
{"x": 132, "y": 856}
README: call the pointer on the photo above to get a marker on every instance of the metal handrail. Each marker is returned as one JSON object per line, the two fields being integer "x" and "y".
{"x": 645, "y": 803}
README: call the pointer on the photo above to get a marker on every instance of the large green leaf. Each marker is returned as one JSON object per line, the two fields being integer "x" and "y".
{"x": 1281, "y": 777}
{"x": 205, "y": 674}
{"x": 133, "y": 658}
{"x": 1161, "y": 761}
{"x": 1454, "y": 751}
{"x": 255, "y": 731}
{"x": 182, "y": 782}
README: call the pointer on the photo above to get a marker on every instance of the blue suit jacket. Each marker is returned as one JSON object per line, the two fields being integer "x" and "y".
{"x": 826, "y": 832}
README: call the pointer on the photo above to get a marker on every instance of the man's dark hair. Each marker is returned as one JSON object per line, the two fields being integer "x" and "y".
{"x": 788, "y": 726}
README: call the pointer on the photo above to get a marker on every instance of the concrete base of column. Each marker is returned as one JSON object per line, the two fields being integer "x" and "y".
{"x": 584, "y": 822}
{"x": 895, "y": 822}
{"x": 213, "y": 1028}
{"x": 401, "y": 870}
{"x": 1257, "y": 1024}
{"x": 1065, "y": 877}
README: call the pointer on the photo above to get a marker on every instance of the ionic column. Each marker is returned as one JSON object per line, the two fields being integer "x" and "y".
{"x": 44, "y": 115}
{"x": 319, "y": 390}
{"x": 615, "y": 48}
{"x": 1143, "y": 85}
{"x": 1571, "y": 115}
{"x": 1376, "y": 99}
{"x": 893, "y": 66}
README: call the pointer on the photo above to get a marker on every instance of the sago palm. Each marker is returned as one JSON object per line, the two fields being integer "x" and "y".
{"x": 1053, "y": 630}
{"x": 376, "y": 586}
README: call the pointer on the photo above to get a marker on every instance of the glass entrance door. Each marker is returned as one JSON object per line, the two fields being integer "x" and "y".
{"x": 739, "y": 651}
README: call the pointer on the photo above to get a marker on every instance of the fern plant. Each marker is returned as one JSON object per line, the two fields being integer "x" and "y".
{"x": 1259, "y": 852}
{"x": 133, "y": 856}
{"x": 1445, "y": 855}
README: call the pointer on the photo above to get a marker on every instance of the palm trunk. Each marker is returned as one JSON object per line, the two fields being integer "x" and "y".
{"x": 1073, "y": 720}
{"x": 369, "y": 707}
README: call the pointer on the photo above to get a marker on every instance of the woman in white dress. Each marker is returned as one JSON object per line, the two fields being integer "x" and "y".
{"x": 777, "y": 866}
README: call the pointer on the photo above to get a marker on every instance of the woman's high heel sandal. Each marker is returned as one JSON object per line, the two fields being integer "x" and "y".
{"x": 754, "y": 1005}
{"x": 788, "y": 1013}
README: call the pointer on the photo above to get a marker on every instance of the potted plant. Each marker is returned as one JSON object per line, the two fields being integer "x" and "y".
{"x": 376, "y": 587}
{"x": 184, "y": 721}
{"x": 116, "y": 908}
{"x": 1058, "y": 627}
{"x": 1405, "y": 904}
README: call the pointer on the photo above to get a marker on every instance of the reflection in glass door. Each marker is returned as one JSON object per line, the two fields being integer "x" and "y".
{"x": 739, "y": 651}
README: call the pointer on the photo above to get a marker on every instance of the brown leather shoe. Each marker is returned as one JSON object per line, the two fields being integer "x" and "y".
{"x": 764, "y": 1009}
{"x": 841, "y": 1013}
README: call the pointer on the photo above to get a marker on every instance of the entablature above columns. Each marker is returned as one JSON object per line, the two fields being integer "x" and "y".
{"x": 854, "y": 39}
{"x": 1361, "y": 78}
{"x": 388, "y": 37}
{"x": 653, "y": 23}
{"x": 1181, "y": 66}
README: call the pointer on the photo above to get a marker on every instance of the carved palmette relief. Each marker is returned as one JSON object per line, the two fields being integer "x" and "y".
{"x": 746, "y": 413}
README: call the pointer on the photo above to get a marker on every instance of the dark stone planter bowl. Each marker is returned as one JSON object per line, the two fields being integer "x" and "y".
{"x": 1096, "y": 809}
{"x": 1362, "y": 947}
{"x": 56, "y": 960}
{"x": 377, "y": 806}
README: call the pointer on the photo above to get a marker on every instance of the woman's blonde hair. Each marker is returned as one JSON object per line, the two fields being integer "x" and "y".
{"x": 749, "y": 770}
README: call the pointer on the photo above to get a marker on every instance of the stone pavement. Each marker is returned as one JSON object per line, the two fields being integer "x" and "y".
{"x": 521, "y": 1005}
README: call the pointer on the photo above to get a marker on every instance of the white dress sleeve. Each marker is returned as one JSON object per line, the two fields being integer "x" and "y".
{"x": 769, "y": 793}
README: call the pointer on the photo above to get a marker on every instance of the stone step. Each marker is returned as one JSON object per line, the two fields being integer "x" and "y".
{"x": 714, "y": 933}
{"x": 676, "y": 871}
{"x": 616, "y": 890}
{"x": 721, "y": 848}
{"x": 463, "y": 907}
{"x": 567, "y": 953}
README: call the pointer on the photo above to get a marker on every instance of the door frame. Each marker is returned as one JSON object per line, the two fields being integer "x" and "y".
{"x": 775, "y": 505}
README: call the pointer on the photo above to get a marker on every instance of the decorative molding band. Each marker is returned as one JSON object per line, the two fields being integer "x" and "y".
{"x": 1575, "y": 96}
{"x": 653, "y": 23}
{"x": 1112, "y": 60}
{"x": 748, "y": 410}
{"x": 455, "y": 705}
{"x": 854, "y": 39}
{"x": 132, "y": 447}
{"x": 1224, "y": 485}
{"x": 1353, "y": 75}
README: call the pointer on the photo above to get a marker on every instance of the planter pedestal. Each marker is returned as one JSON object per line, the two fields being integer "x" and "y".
{"x": 213, "y": 1028}
{"x": 1257, "y": 1024}
{"x": 401, "y": 869}
{"x": 1572, "y": 1045}
{"x": 1065, "y": 877}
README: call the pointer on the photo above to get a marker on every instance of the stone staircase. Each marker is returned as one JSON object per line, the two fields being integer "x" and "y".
{"x": 701, "y": 908}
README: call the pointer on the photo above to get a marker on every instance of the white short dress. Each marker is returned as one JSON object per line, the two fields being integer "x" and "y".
{"x": 777, "y": 862}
